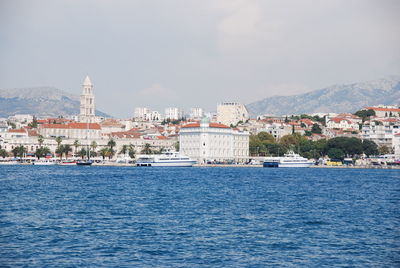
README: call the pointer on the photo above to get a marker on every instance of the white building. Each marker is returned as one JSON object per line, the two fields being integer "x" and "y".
{"x": 79, "y": 131}
{"x": 196, "y": 113}
{"x": 141, "y": 113}
{"x": 341, "y": 123}
{"x": 207, "y": 141}
{"x": 382, "y": 132}
{"x": 173, "y": 113}
{"x": 278, "y": 130}
{"x": 385, "y": 111}
{"x": 230, "y": 113}
{"x": 87, "y": 107}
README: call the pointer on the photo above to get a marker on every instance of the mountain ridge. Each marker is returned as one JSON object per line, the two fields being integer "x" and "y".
{"x": 39, "y": 101}
{"x": 336, "y": 98}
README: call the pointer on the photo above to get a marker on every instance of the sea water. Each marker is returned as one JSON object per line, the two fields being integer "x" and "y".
{"x": 67, "y": 216}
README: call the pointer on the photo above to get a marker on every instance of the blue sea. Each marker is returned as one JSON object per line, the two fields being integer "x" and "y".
{"x": 60, "y": 216}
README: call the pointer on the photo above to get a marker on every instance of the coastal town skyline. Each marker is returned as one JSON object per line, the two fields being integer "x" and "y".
{"x": 152, "y": 53}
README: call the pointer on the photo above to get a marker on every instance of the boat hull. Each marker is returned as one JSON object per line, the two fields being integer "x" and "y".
{"x": 166, "y": 164}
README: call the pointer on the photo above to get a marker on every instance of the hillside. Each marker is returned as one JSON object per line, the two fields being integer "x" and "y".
{"x": 337, "y": 98}
{"x": 39, "y": 101}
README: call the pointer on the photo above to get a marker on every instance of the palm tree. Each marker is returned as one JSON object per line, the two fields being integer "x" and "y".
{"x": 58, "y": 140}
{"x": 93, "y": 147}
{"x": 82, "y": 153}
{"x": 3, "y": 153}
{"x": 104, "y": 152}
{"x": 124, "y": 149}
{"x": 40, "y": 140}
{"x": 147, "y": 149}
{"x": 60, "y": 151}
{"x": 19, "y": 151}
{"x": 131, "y": 151}
{"x": 41, "y": 152}
{"x": 67, "y": 150}
{"x": 111, "y": 143}
{"x": 76, "y": 145}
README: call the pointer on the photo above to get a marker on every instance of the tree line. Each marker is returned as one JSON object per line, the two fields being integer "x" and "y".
{"x": 264, "y": 144}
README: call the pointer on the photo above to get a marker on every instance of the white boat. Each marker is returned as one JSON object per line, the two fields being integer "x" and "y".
{"x": 68, "y": 163}
{"x": 290, "y": 159}
{"x": 46, "y": 162}
{"x": 168, "y": 159}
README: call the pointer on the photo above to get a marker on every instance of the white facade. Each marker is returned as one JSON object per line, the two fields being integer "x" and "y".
{"x": 79, "y": 131}
{"x": 87, "y": 107}
{"x": 278, "y": 130}
{"x": 173, "y": 113}
{"x": 230, "y": 113}
{"x": 383, "y": 111}
{"x": 213, "y": 142}
{"x": 141, "y": 113}
{"x": 382, "y": 133}
{"x": 196, "y": 113}
{"x": 341, "y": 123}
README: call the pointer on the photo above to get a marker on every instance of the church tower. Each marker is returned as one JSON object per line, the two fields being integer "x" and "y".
{"x": 87, "y": 113}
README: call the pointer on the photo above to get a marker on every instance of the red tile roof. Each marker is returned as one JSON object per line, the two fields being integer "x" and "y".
{"x": 211, "y": 125}
{"x": 21, "y": 130}
{"x": 384, "y": 109}
{"x": 338, "y": 120}
{"x": 73, "y": 126}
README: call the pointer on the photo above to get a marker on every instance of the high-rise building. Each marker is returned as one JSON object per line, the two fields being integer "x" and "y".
{"x": 196, "y": 113}
{"x": 87, "y": 107}
{"x": 141, "y": 113}
{"x": 230, "y": 113}
{"x": 173, "y": 113}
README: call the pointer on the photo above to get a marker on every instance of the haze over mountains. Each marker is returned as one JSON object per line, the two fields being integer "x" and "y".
{"x": 52, "y": 102}
{"x": 39, "y": 101}
{"x": 337, "y": 98}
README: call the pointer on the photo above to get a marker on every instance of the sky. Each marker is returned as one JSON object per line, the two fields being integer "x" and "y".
{"x": 195, "y": 53}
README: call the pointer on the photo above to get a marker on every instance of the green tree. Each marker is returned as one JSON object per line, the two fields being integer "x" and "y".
{"x": 265, "y": 137}
{"x": 176, "y": 145}
{"x": 82, "y": 152}
{"x": 336, "y": 153}
{"x": 350, "y": 146}
{"x": 76, "y": 145}
{"x": 124, "y": 149}
{"x": 365, "y": 114}
{"x": 60, "y": 151}
{"x": 131, "y": 151}
{"x": 147, "y": 149}
{"x": 93, "y": 145}
{"x": 3, "y": 153}
{"x": 104, "y": 152}
{"x": 111, "y": 144}
{"x": 19, "y": 151}
{"x": 42, "y": 152}
{"x": 40, "y": 140}
{"x": 383, "y": 149}
{"x": 316, "y": 129}
{"x": 34, "y": 123}
{"x": 66, "y": 150}
{"x": 370, "y": 147}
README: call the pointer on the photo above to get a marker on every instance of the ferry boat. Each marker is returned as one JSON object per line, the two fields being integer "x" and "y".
{"x": 290, "y": 159}
{"x": 168, "y": 159}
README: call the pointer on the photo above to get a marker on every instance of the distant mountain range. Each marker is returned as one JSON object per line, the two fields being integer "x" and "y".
{"x": 337, "y": 98}
{"x": 39, "y": 101}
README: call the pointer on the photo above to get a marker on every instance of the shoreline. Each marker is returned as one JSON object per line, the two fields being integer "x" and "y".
{"x": 111, "y": 164}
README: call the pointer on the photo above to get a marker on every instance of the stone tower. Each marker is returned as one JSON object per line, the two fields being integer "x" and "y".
{"x": 87, "y": 113}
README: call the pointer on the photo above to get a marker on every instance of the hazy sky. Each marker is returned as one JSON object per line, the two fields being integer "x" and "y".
{"x": 195, "y": 52}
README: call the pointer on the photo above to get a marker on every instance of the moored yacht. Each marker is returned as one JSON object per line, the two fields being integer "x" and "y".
{"x": 290, "y": 159}
{"x": 168, "y": 159}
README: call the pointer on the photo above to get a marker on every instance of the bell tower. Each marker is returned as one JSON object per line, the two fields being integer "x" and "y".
{"x": 87, "y": 108}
